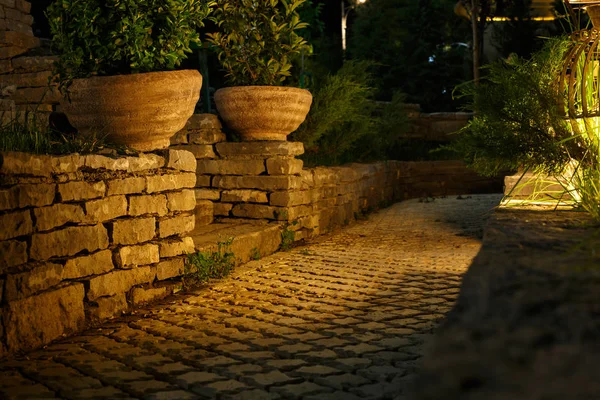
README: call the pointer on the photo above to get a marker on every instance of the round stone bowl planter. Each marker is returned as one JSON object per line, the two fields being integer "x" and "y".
{"x": 141, "y": 111}
{"x": 263, "y": 112}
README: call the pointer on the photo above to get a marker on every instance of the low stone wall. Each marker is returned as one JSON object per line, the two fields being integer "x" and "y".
{"x": 437, "y": 127}
{"x": 84, "y": 237}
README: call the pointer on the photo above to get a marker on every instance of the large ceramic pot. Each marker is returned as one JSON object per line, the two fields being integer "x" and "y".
{"x": 263, "y": 112}
{"x": 594, "y": 14}
{"x": 141, "y": 111}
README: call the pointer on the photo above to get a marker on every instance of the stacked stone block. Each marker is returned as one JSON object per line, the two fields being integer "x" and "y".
{"x": 83, "y": 238}
{"x": 24, "y": 70}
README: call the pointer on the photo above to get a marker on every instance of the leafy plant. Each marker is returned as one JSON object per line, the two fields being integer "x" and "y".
{"x": 257, "y": 39}
{"x": 287, "y": 237}
{"x": 255, "y": 254}
{"x": 112, "y": 37}
{"x": 201, "y": 267}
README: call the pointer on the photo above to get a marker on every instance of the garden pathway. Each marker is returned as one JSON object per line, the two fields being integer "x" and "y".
{"x": 345, "y": 317}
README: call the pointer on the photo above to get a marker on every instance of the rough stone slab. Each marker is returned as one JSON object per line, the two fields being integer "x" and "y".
{"x": 170, "y": 268}
{"x": 148, "y": 204}
{"x": 131, "y": 256}
{"x": 184, "y": 200}
{"x": 35, "y": 195}
{"x": 203, "y": 122}
{"x": 268, "y": 183}
{"x": 142, "y": 295}
{"x": 133, "y": 230}
{"x": 66, "y": 164}
{"x": 17, "y": 163}
{"x": 176, "y": 226}
{"x": 244, "y": 196}
{"x": 23, "y": 6}
{"x": 106, "y": 209}
{"x": 284, "y": 166}
{"x": 198, "y": 150}
{"x": 205, "y": 212}
{"x": 291, "y": 198}
{"x": 179, "y": 138}
{"x": 28, "y": 79}
{"x": 27, "y": 327}
{"x": 181, "y": 160}
{"x": 41, "y": 277}
{"x": 259, "y": 149}
{"x": 68, "y": 242}
{"x": 34, "y": 64}
{"x": 93, "y": 264}
{"x": 77, "y": 191}
{"x": 145, "y": 162}
{"x": 96, "y": 161}
{"x": 206, "y": 137}
{"x": 108, "y": 307}
{"x": 119, "y": 282}
{"x": 324, "y": 176}
{"x": 8, "y": 199}
{"x": 222, "y": 209}
{"x": 126, "y": 186}
{"x": 257, "y": 211}
{"x": 12, "y": 51}
{"x": 231, "y": 167}
{"x": 45, "y": 95}
{"x": 14, "y": 224}
{"x": 203, "y": 181}
{"x": 176, "y": 247}
{"x": 164, "y": 183}
{"x": 208, "y": 194}
{"x": 12, "y": 253}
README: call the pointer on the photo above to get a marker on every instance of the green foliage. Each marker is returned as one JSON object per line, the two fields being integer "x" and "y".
{"x": 287, "y": 237}
{"x": 201, "y": 267}
{"x": 255, "y": 254}
{"x": 257, "y": 39}
{"x": 519, "y": 122}
{"x": 112, "y": 37}
{"x": 344, "y": 124}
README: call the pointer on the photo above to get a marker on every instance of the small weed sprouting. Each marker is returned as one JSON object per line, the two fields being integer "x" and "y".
{"x": 306, "y": 252}
{"x": 287, "y": 237}
{"x": 203, "y": 266}
{"x": 255, "y": 254}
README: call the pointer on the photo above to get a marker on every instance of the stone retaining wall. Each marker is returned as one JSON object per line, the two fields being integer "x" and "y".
{"x": 84, "y": 237}
{"x": 265, "y": 181}
{"x": 437, "y": 127}
{"x": 25, "y": 66}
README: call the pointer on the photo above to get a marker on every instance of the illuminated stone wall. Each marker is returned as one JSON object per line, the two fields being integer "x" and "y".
{"x": 83, "y": 238}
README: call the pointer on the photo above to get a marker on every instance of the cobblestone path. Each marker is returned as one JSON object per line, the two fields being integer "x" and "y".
{"x": 346, "y": 317}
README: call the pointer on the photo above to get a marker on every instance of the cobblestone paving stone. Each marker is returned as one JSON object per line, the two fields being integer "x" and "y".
{"x": 345, "y": 317}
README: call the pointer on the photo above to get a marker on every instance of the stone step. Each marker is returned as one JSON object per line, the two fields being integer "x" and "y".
{"x": 249, "y": 240}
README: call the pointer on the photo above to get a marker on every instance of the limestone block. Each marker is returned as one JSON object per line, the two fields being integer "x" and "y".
{"x": 244, "y": 196}
{"x": 46, "y": 95}
{"x": 148, "y": 204}
{"x": 181, "y": 201}
{"x": 96, "y": 161}
{"x": 93, "y": 264}
{"x": 222, "y": 209}
{"x": 12, "y": 51}
{"x": 77, "y": 191}
{"x": 258, "y": 211}
{"x": 201, "y": 194}
{"x": 324, "y": 176}
{"x": 126, "y": 186}
{"x": 5, "y": 65}
{"x": 203, "y": 181}
{"x": 16, "y": 163}
{"x": 28, "y": 328}
{"x": 27, "y": 79}
{"x": 34, "y": 64}
{"x": 176, "y": 247}
{"x": 142, "y": 295}
{"x": 14, "y": 224}
{"x": 180, "y": 137}
{"x": 181, "y": 160}
{"x": 108, "y": 307}
{"x": 284, "y": 166}
{"x": 169, "y": 268}
{"x": 204, "y": 212}
{"x": 291, "y": 198}
{"x": 131, "y": 256}
{"x": 23, "y": 6}
{"x": 145, "y": 162}
{"x": 206, "y": 136}
{"x": 106, "y": 209}
{"x": 36, "y": 195}
{"x": 18, "y": 15}
{"x": 41, "y": 277}
{"x": 119, "y": 282}
{"x": 198, "y": 150}
{"x": 68, "y": 241}
{"x": 8, "y": 3}
{"x": 12, "y": 253}
{"x": 264, "y": 182}
{"x": 8, "y": 199}
{"x": 231, "y": 167}
{"x": 176, "y": 226}
{"x": 57, "y": 215}
{"x": 203, "y": 122}
{"x": 264, "y": 149}
{"x": 133, "y": 230}
{"x": 161, "y": 183}
{"x": 66, "y": 164}
{"x": 6, "y": 104}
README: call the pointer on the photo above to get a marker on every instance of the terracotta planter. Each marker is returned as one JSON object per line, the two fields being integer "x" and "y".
{"x": 142, "y": 111}
{"x": 263, "y": 112}
{"x": 594, "y": 14}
